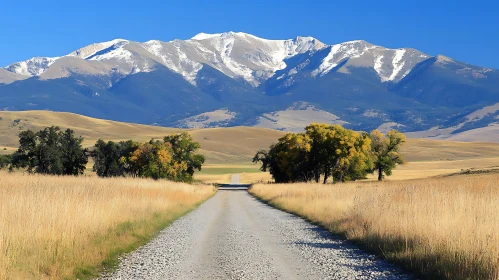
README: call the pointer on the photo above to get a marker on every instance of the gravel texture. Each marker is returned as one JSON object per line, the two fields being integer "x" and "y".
{"x": 234, "y": 236}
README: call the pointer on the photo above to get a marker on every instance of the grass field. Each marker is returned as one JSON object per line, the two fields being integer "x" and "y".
{"x": 445, "y": 228}
{"x": 67, "y": 227}
{"x": 217, "y": 169}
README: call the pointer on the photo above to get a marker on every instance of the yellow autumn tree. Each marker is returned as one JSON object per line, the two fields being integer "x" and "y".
{"x": 386, "y": 151}
{"x": 338, "y": 152}
{"x": 327, "y": 151}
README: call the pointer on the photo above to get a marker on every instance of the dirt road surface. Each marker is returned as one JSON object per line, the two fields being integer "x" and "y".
{"x": 235, "y": 236}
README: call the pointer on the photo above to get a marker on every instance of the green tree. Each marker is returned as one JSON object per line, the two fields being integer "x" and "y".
{"x": 386, "y": 151}
{"x": 50, "y": 151}
{"x": 5, "y": 161}
{"x": 270, "y": 162}
{"x": 113, "y": 159}
{"x": 106, "y": 159}
{"x": 74, "y": 157}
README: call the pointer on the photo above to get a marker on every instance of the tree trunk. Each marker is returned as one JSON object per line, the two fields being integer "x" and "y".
{"x": 326, "y": 174}
{"x": 380, "y": 174}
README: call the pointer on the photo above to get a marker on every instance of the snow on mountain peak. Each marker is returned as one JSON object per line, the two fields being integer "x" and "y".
{"x": 243, "y": 55}
{"x": 90, "y": 50}
{"x": 31, "y": 67}
{"x": 391, "y": 65}
{"x": 204, "y": 36}
{"x": 236, "y": 54}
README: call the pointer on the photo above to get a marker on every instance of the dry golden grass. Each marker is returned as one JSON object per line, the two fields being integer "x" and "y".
{"x": 245, "y": 178}
{"x": 56, "y": 227}
{"x": 256, "y": 178}
{"x": 443, "y": 150}
{"x": 424, "y": 169}
{"x": 221, "y": 173}
{"x": 443, "y": 228}
{"x": 213, "y": 178}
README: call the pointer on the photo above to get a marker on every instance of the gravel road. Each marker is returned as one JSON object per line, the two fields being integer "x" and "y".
{"x": 234, "y": 236}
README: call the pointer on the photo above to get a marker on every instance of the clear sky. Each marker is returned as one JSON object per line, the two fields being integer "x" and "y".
{"x": 464, "y": 30}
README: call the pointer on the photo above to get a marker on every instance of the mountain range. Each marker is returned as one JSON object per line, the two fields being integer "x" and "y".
{"x": 234, "y": 78}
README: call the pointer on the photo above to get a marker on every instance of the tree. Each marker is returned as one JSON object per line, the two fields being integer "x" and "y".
{"x": 50, "y": 151}
{"x": 386, "y": 151}
{"x": 173, "y": 158}
{"x": 330, "y": 151}
{"x": 106, "y": 159}
{"x": 183, "y": 152}
{"x": 356, "y": 161}
{"x": 293, "y": 159}
{"x": 287, "y": 160}
{"x": 74, "y": 157}
{"x": 338, "y": 152}
{"x": 154, "y": 160}
{"x": 5, "y": 161}
{"x": 319, "y": 150}
{"x": 270, "y": 163}
{"x": 25, "y": 156}
{"x": 114, "y": 159}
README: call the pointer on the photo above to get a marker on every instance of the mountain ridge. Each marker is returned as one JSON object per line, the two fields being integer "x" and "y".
{"x": 35, "y": 66}
{"x": 235, "y": 78}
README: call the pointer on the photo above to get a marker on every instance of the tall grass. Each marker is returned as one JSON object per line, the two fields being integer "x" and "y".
{"x": 443, "y": 228}
{"x": 65, "y": 227}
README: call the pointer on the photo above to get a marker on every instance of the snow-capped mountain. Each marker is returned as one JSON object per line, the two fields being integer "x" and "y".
{"x": 237, "y": 55}
{"x": 390, "y": 65}
{"x": 236, "y": 78}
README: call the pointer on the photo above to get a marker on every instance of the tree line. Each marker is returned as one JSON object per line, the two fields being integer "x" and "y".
{"x": 56, "y": 152}
{"x": 331, "y": 151}
{"x": 174, "y": 158}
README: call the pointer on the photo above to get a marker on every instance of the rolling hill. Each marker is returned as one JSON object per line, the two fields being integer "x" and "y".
{"x": 235, "y": 146}
{"x": 231, "y": 145}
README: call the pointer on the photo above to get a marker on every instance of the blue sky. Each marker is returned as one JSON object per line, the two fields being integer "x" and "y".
{"x": 464, "y": 30}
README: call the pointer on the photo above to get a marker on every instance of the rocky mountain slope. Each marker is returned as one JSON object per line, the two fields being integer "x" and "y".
{"x": 233, "y": 79}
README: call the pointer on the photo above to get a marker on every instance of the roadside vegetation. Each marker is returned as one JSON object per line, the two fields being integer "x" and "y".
{"x": 173, "y": 158}
{"x": 443, "y": 228}
{"x": 72, "y": 226}
{"x": 331, "y": 151}
{"x": 59, "y": 227}
{"x": 55, "y": 152}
